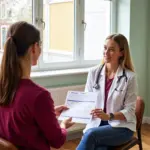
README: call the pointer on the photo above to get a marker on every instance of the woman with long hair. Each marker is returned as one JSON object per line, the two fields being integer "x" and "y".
{"x": 113, "y": 120}
{"x": 27, "y": 112}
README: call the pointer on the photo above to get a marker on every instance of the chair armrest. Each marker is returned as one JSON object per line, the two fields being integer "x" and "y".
{"x": 6, "y": 145}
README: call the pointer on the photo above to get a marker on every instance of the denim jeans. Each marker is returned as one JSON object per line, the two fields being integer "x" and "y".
{"x": 104, "y": 137}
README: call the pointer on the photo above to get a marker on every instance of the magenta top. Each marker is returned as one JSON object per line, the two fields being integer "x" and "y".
{"x": 30, "y": 122}
{"x": 108, "y": 83}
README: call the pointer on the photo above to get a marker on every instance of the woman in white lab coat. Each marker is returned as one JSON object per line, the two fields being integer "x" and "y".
{"x": 114, "y": 121}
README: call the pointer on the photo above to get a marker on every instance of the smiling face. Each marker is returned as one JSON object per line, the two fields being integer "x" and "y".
{"x": 112, "y": 52}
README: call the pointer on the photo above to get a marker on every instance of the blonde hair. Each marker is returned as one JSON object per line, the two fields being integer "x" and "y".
{"x": 125, "y": 61}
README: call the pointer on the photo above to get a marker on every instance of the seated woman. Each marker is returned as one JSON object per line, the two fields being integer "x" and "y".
{"x": 27, "y": 113}
{"x": 114, "y": 121}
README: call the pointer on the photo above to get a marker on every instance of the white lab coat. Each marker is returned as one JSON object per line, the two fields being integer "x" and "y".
{"x": 123, "y": 100}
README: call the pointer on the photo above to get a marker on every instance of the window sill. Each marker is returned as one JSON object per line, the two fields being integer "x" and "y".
{"x": 53, "y": 73}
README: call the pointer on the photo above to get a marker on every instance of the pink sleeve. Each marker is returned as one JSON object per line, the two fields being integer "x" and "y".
{"x": 46, "y": 119}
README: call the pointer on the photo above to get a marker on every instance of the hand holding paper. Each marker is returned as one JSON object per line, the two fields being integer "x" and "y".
{"x": 80, "y": 105}
{"x": 60, "y": 109}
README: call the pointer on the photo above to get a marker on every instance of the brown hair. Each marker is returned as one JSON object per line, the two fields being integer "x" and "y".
{"x": 125, "y": 61}
{"x": 20, "y": 36}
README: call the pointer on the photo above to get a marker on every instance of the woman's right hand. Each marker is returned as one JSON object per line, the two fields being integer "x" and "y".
{"x": 67, "y": 123}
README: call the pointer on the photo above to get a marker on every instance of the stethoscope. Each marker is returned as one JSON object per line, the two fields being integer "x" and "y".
{"x": 97, "y": 86}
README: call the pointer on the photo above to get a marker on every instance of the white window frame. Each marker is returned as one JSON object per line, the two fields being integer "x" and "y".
{"x": 6, "y": 28}
{"x": 3, "y": 12}
{"x": 79, "y": 34}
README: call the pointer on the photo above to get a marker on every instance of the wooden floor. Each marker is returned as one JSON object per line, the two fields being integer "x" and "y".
{"x": 71, "y": 145}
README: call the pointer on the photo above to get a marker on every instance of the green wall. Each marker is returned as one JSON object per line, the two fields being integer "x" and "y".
{"x": 63, "y": 80}
{"x": 139, "y": 45}
{"x": 148, "y": 62}
{"x": 133, "y": 22}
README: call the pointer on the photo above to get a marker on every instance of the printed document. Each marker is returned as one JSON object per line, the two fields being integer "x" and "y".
{"x": 80, "y": 105}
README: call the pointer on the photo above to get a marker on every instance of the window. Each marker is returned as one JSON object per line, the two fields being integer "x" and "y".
{"x": 72, "y": 31}
{"x": 3, "y": 11}
{"x": 58, "y": 36}
{"x": 10, "y": 12}
{"x": 3, "y": 32}
{"x": 98, "y": 25}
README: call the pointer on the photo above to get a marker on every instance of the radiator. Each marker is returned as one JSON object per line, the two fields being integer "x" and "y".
{"x": 59, "y": 94}
{"x": 59, "y": 97}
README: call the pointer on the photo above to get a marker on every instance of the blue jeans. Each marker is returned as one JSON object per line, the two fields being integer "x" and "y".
{"x": 104, "y": 137}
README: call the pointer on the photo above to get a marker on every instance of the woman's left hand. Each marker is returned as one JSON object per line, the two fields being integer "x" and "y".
{"x": 60, "y": 109}
{"x": 99, "y": 113}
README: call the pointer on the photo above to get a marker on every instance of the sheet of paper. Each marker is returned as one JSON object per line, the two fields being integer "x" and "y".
{"x": 80, "y": 105}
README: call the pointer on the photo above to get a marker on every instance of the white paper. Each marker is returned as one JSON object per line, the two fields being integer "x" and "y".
{"x": 80, "y": 105}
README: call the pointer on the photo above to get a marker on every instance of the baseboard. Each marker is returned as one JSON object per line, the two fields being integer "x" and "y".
{"x": 146, "y": 120}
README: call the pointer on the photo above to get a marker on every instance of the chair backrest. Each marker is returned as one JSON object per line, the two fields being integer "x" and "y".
{"x": 139, "y": 111}
{"x": 5, "y": 145}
